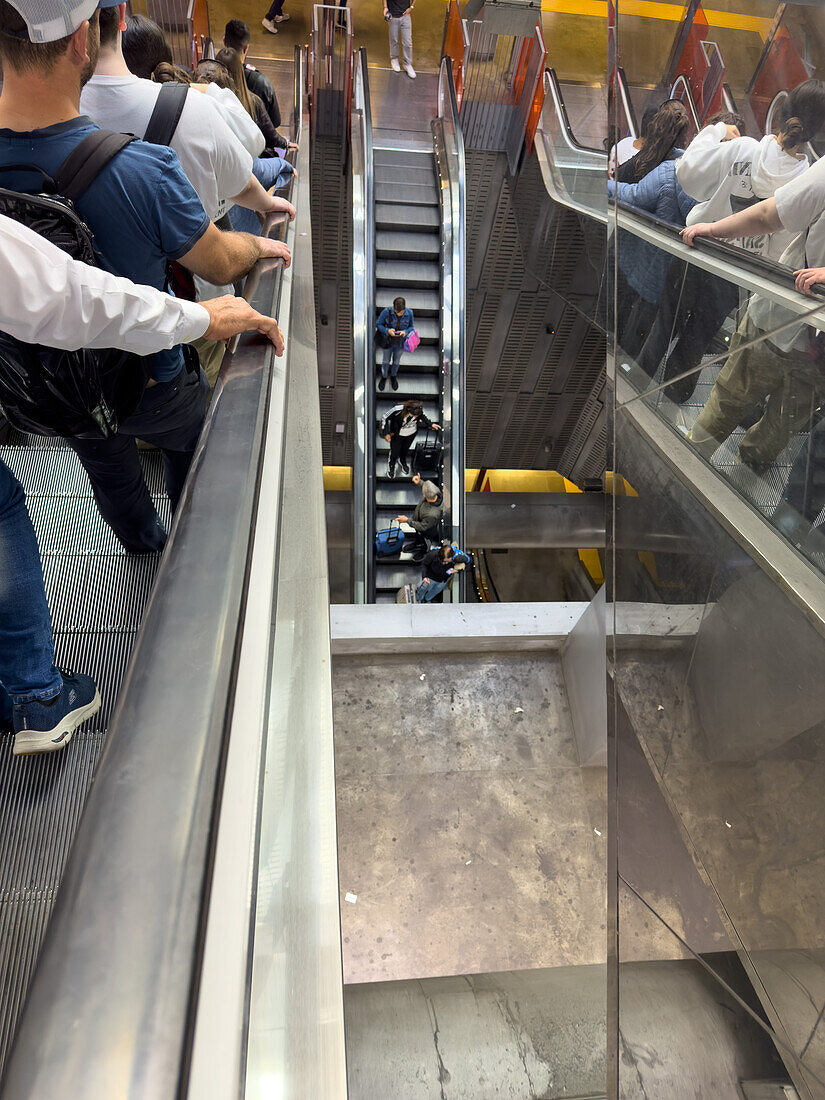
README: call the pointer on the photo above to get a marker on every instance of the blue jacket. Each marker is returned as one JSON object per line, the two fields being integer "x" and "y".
{"x": 660, "y": 193}
{"x": 388, "y": 319}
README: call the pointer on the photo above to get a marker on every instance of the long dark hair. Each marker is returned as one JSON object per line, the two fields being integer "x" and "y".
{"x": 803, "y": 113}
{"x": 667, "y": 131}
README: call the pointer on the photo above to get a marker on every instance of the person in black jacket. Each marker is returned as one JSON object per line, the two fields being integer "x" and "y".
{"x": 436, "y": 570}
{"x": 399, "y": 427}
{"x": 236, "y": 36}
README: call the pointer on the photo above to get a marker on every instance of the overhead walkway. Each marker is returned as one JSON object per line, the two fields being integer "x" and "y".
{"x": 408, "y": 197}
{"x": 150, "y": 947}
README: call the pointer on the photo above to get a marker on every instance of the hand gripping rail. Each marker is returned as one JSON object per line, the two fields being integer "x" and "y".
{"x": 113, "y": 1005}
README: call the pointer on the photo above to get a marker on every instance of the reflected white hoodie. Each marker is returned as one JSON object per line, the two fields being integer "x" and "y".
{"x": 728, "y": 176}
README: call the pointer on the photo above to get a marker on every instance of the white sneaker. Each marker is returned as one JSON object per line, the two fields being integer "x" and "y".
{"x": 409, "y": 70}
{"x": 396, "y": 68}
{"x": 281, "y": 18}
{"x": 268, "y": 25}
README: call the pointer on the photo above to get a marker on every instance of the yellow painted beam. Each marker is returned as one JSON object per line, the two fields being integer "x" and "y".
{"x": 653, "y": 9}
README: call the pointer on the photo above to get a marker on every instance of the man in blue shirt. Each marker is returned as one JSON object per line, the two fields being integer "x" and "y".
{"x": 396, "y": 324}
{"x": 143, "y": 212}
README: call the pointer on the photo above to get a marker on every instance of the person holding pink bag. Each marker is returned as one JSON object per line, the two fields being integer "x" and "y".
{"x": 396, "y": 333}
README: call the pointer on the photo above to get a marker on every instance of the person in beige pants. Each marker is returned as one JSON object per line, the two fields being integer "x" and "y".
{"x": 398, "y": 14}
{"x": 790, "y": 383}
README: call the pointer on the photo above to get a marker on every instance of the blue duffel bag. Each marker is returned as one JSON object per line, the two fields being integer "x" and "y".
{"x": 389, "y": 541}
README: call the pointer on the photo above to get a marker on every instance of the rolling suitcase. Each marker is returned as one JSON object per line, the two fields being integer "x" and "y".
{"x": 406, "y": 594}
{"x": 389, "y": 541}
{"x": 426, "y": 457}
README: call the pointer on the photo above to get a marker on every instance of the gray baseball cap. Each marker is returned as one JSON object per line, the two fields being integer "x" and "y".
{"x": 50, "y": 20}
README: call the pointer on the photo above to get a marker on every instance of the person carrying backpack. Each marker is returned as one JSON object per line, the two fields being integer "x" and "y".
{"x": 141, "y": 212}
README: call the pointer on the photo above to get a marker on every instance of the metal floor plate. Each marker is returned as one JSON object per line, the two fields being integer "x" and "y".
{"x": 96, "y": 595}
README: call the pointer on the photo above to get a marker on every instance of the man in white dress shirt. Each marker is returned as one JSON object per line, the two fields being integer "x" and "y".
{"x": 51, "y": 299}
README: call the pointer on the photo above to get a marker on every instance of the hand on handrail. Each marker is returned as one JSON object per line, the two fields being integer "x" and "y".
{"x": 691, "y": 232}
{"x": 274, "y": 250}
{"x": 230, "y": 316}
{"x": 808, "y": 277}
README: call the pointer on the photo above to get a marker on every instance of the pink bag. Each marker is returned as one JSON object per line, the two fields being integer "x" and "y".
{"x": 412, "y": 341}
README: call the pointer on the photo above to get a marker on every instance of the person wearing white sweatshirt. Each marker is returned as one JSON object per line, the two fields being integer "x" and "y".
{"x": 726, "y": 171}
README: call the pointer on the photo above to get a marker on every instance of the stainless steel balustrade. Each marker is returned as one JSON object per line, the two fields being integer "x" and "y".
{"x": 449, "y": 153}
{"x": 113, "y": 1006}
{"x": 363, "y": 327}
{"x": 574, "y": 175}
{"x": 681, "y": 90}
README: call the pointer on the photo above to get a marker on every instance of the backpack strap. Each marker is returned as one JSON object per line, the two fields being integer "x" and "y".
{"x": 87, "y": 160}
{"x": 166, "y": 114}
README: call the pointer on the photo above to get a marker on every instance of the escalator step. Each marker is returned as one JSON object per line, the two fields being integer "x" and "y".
{"x": 407, "y": 273}
{"x": 398, "y": 244}
{"x": 413, "y": 158}
{"x": 407, "y": 194}
{"x": 402, "y": 173}
{"x": 426, "y": 359}
{"x": 423, "y": 303}
{"x": 389, "y": 215}
{"x": 426, "y": 385}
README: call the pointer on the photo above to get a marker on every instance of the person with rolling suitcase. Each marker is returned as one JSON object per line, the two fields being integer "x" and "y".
{"x": 426, "y": 519}
{"x": 399, "y": 427}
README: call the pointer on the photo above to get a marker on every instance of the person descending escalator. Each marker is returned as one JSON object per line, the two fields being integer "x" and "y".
{"x": 726, "y": 171}
{"x": 426, "y": 519}
{"x": 399, "y": 427}
{"x": 394, "y": 327}
{"x": 641, "y": 267}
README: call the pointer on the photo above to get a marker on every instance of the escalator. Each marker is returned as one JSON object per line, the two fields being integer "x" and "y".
{"x": 145, "y": 866}
{"x": 407, "y": 221}
{"x": 409, "y": 242}
{"x": 743, "y": 692}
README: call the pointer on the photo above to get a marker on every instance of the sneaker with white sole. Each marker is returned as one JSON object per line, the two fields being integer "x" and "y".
{"x": 47, "y": 727}
{"x": 268, "y": 25}
{"x": 281, "y": 18}
{"x": 394, "y": 65}
{"x": 409, "y": 70}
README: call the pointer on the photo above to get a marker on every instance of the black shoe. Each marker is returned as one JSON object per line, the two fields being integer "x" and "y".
{"x": 404, "y": 466}
{"x": 382, "y": 382}
{"x": 391, "y": 470}
{"x": 394, "y": 382}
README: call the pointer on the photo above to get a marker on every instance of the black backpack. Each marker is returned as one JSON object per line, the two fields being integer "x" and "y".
{"x": 84, "y": 394}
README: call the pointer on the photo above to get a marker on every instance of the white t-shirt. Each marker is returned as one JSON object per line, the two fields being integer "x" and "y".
{"x": 242, "y": 125}
{"x": 49, "y": 298}
{"x": 800, "y": 205}
{"x": 409, "y": 425}
{"x": 215, "y": 162}
{"x": 622, "y": 151}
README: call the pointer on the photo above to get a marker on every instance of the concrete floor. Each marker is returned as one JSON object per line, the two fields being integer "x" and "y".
{"x": 466, "y": 829}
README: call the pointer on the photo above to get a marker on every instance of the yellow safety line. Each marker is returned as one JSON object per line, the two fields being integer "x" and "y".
{"x": 653, "y": 9}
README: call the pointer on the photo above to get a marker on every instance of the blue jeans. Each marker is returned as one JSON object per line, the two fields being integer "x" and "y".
{"x": 428, "y": 592}
{"x": 392, "y": 359}
{"x": 27, "y": 669}
{"x": 270, "y": 172}
{"x": 170, "y": 415}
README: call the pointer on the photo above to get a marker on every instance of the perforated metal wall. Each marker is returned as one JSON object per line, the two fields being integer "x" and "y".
{"x": 331, "y": 202}
{"x": 536, "y": 357}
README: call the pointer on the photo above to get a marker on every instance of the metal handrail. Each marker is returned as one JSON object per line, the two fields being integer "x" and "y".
{"x": 110, "y": 1009}
{"x": 363, "y": 305}
{"x": 627, "y": 103}
{"x": 552, "y": 85}
{"x": 448, "y": 143}
{"x": 681, "y": 81}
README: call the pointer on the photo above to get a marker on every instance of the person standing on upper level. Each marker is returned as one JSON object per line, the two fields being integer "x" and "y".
{"x": 398, "y": 14}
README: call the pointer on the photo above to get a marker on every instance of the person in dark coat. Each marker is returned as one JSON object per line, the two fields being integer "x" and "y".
{"x": 426, "y": 517}
{"x": 399, "y": 427}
